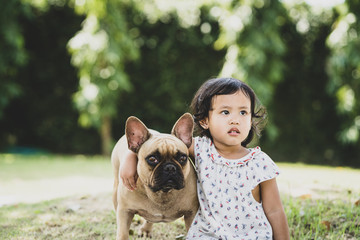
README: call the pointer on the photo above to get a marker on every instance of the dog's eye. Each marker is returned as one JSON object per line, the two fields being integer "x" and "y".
{"x": 182, "y": 159}
{"x": 152, "y": 160}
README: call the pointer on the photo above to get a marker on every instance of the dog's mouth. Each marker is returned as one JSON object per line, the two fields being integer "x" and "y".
{"x": 166, "y": 181}
{"x": 171, "y": 185}
{"x": 167, "y": 185}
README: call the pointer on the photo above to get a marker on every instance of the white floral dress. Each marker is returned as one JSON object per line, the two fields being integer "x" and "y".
{"x": 228, "y": 209}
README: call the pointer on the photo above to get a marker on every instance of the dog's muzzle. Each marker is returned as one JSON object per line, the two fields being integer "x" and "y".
{"x": 168, "y": 176}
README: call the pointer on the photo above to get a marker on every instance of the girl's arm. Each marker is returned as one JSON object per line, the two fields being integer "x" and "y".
{"x": 128, "y": 172}
{"x": 191, "y": 149}
{"x": 274, "y": 210}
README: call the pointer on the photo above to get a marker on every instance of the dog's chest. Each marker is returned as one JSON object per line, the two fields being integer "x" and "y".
{"x": 159, "y": 216}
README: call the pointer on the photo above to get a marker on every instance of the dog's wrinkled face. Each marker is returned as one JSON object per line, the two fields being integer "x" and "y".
{"x": 162, "y": 158}
{"x": 163, "y": 163}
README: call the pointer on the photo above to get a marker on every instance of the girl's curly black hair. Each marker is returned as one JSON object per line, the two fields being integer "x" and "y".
{"x": 201, "y": 104}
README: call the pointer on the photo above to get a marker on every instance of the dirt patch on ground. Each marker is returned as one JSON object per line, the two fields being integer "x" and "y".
{"x": 99, "y": 208}
{"x": 317, "y": 182}
{"x": 33, "y": 191}
{"x": 88, "y": 203}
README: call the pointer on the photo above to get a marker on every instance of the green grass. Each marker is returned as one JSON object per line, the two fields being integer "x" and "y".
{"x": 92, "y": 216}
{"x": 308, "y": 219}
{"x": 54, "y": 220}
{"x": 79, "y": 219}
{"x": 322, "y": 219}
{"x": 30, "y": 167}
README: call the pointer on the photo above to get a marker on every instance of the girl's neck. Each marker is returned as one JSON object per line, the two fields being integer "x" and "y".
{"x": 233, "y": 152}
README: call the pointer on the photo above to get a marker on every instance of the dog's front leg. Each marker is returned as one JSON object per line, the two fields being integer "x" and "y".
{"x": 188, "y": 218}
{"x": 123, "y": 220}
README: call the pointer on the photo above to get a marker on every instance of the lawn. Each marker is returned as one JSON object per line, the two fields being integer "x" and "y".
{"x": 69, "y": 197}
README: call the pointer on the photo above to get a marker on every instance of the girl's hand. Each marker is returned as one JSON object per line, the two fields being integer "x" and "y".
{"x": 128, "y": 172}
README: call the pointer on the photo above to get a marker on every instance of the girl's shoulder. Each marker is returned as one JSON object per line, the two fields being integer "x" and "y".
{"x": 261, "y": 158}
{"x": 259, "y": 155}
{"x": 262, "y": 167}
{"x": 201, "y": 139}
{"x": 201, "y": 142}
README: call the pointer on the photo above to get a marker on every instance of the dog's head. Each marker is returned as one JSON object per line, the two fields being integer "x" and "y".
{"x": 163, "y": 159}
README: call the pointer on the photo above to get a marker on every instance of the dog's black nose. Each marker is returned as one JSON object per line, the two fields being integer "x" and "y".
{"x": 171, "y": 169}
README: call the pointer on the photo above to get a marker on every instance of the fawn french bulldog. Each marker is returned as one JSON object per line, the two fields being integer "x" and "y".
{"x": 166, "y": 186}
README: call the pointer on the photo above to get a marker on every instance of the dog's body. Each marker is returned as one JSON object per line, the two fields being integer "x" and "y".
{"x": 166, "y": 186}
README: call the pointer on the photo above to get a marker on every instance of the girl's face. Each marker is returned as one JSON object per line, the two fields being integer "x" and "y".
{"x": 229, "y": 120}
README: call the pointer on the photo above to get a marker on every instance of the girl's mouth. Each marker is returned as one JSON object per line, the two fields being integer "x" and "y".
{"x": 234, "y": 131}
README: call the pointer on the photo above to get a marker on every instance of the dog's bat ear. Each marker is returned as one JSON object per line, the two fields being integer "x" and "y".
{"x": 183, "y": 129}
{"x": 136, "y": 133}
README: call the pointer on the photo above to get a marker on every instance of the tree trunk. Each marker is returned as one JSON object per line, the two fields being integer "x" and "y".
{"x": 105, "y": 132}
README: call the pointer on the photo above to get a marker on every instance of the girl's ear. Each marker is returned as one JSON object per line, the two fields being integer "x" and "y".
{"x": 204, "y": 123}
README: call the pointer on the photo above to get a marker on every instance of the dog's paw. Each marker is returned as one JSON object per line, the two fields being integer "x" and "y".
{"x": 145, "y": 230}
{"x": 144, "y": 234}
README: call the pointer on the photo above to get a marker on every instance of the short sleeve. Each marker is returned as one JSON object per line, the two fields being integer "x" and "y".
{"x": 201, "y": 146}
{"x": 263, "y": 169}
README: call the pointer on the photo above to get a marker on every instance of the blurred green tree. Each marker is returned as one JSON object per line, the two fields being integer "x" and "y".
{"x": 302, "y": 110}
{"x": 147, "y": 58}
{"x": 12, "y": 52}
{"x": 247, "y": 31}
{"x": 344, "y": 69}
{"x": 175, "y": 60}
{"x": 99, "y": 51}
{"x": 44, "y": 116}
{"x": 251, "y": 33}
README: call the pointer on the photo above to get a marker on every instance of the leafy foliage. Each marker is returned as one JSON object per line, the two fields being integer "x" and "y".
{"x": 147, "y": 58}
{"x": 301, "y": 107}
{"x": 44, "y": 116}
{"x": 13, "y": 54}
{"x": 254, "y": 53}
{"x": 174, "y": 62}
{"x": 100, "y": 51}
{"x": 344, "y": 70}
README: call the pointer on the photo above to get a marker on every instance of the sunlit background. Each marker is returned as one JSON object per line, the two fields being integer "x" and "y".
{"x": 72, "y": 71}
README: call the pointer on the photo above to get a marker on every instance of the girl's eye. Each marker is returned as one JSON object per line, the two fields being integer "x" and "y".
{"x": 243, "y": 113}
{"x": 225, "y": 112}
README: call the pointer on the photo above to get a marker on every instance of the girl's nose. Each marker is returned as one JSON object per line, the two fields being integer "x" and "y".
{"x": 234, "y": 121}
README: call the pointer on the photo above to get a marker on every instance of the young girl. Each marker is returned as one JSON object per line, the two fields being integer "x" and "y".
{"x": 237, "y": 190}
